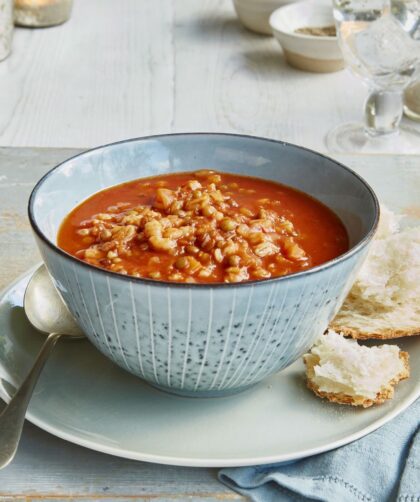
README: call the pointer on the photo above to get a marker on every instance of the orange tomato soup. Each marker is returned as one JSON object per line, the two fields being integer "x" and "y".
{"x": 203, "y": 227}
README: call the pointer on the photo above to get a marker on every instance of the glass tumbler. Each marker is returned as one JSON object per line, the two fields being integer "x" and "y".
{"x": 42, "y": 13}
{"x": 377, "y": 41}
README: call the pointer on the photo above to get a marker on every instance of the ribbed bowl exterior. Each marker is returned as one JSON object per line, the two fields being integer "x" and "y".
{"x": 195, "y": 340}
{"x": 202, "y": 340}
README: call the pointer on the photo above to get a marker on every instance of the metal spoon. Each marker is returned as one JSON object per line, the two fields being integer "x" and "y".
{"x": 47, "y": 313}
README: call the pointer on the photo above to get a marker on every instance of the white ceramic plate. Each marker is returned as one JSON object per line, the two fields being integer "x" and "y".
{"x": 84, "y": 398}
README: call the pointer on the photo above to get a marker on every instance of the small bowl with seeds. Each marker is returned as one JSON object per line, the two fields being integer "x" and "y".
{"x": 306, "y": 32}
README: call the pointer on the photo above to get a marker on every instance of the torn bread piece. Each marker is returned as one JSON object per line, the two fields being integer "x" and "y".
{"x": 384, "y": 301}
{"x": 345, "y": 372}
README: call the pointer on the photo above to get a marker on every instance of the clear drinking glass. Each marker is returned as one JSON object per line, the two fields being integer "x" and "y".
{"x": 378, "y": 41}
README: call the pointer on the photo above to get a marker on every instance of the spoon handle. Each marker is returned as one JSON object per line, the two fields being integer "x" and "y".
{"x": 13, "y": 416}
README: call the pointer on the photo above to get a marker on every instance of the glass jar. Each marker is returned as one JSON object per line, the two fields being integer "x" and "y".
{"x": 41, "y": 13}
{"x": 6, "y": 28}
{"x": 412, "y": 101}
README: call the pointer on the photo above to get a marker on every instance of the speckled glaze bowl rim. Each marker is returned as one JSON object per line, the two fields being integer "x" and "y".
{"x": 154, "y": 282}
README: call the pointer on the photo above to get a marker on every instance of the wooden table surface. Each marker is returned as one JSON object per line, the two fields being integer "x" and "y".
{"x": 128, "y": 68}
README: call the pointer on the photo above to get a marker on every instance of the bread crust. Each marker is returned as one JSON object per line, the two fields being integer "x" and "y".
{"x": 387, "y": 391}
{"x": 383, "y": 334}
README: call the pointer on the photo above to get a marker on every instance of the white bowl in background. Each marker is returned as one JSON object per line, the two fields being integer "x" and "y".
{"x": 319, "y": 54}
{"x": 255, "y": 14}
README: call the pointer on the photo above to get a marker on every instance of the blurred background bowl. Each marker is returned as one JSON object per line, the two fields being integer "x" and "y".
{"x": 320, "y": 54}
{"x": 255, "y": 14}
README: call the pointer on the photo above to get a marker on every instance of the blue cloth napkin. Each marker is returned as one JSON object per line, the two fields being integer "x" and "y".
{"x": 383, "y": 466}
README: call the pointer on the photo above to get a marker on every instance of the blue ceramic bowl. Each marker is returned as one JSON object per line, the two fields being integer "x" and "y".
{"x": 199, "y": 339}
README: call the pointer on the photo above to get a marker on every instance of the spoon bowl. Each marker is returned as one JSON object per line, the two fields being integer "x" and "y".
{"x": 45, "y": 309}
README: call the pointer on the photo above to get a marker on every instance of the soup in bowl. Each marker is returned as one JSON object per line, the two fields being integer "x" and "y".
{"x": 202, "y": 263}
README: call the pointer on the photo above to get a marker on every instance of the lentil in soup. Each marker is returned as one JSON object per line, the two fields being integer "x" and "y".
{"x": 203, "y": 227}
